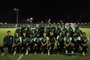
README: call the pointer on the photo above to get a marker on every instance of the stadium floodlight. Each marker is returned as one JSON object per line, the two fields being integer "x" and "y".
{"x": 5, "y": 23}
{"x": 17, "y": 10}
{"x": 1, "y": 23}
{"x": 49, "y": 20}
{"x": 31, "y": 18}
{"x": 28, "y": 20}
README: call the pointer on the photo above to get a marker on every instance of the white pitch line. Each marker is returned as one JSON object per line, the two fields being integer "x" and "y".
{"x": 19, "y": 58}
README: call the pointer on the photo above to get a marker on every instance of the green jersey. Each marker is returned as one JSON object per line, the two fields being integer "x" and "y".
{"x": 52, "y": 39}
{"x": 24, "y": 40}
{"x": 84, "y": 39}
{"x": 44, "y": 39}
{"x": 37, "y": 39}
{"x": 60, "y": 38}
{"x": 77, "y": 30}
{"x": 8, "y": 40}
{"x": 67, "y": 39}
{"x": 30, "y": 39}
{"x": 17, "y": 40}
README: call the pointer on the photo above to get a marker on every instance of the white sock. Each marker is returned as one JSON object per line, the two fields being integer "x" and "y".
{"x": 66, "y": 51}
{"x": 83, "y": 54}
{"x": 48, "y": 52}
{"x": 72, "y": 52}
{"x": 14, "y": 53}
{"x": 26, "y": 52}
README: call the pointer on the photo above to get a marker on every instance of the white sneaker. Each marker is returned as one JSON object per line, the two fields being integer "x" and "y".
{"x": 66, "y": 51}
{"x": 14, "y": 53}
{"x": 48, "y": 52}
{"x": 72, "y": 52}
{"x": 2, "y": 54}
{"x": 42, "y": 53}
{"x": 83, "y": 54}
{"x": 26, "y": 52}
{"x": 35, "y": 53}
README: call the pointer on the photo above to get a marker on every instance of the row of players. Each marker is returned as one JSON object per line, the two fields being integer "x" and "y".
{"x": 67, "y": 41}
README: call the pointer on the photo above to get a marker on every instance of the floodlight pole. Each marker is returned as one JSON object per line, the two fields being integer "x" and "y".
{"x": 17, "y": 18}
{"x": 17, "y": 11}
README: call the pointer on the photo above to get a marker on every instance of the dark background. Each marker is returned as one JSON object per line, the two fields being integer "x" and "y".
{"x": 67, "y": 11}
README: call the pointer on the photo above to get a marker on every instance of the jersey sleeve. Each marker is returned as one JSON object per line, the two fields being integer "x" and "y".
{"x": 47, "y": 39}
{"x": 70, "y": 38}
{"x": 64, "y": 38}
{"x": 20, "y": 39}
{"x": 57, "y": 37}
{"x": 79, "y": 38}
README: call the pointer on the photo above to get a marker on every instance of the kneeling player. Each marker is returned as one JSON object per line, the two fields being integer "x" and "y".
{"x": 76, "y": 42}
{"x": 44, "y": 43}
{"x": 24, "y": 43}
{"x": 67, "y": 42}
{"x": 37, "y": 43}
{"x": 51, "y": 43}
{"x": 17, "y": 44}
{"x": 31, "y": 42}
{"x": 84, "y": 43}
{"x": 60, "y": 40}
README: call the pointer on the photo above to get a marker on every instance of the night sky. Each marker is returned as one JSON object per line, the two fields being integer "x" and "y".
{"x": 68, "y": 11}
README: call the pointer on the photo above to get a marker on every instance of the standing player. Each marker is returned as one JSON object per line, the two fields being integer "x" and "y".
{"x": 63, "y": 30}
{"x": 18, "y": 30}
{"x": 23, "y": 30}
{"x": 44, "y": 42}
{"x": 77, "y": 30}
{"x": 41, "y": 30}
{"x": 67, "y": 42}
{"x": 17, "y": 44}
{"x": 84, "y": 43}
{"x": 8, "y": 41}
{"x": 70, "y": 30}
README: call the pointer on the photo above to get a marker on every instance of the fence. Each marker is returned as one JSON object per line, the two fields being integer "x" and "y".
{"x": 82, "y": 25}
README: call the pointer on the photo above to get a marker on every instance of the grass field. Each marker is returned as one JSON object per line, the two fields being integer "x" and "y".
{"x": 45, "y": 56}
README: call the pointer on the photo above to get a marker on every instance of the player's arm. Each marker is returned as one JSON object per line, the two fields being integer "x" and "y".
{"x": 65, "y": 42}
{"x": 27, "y": 44}
{"x": 70, "y": 41}
{"x": 85, "y": 44}
{"x": 14, "y": 44}
{"x": 20, "y": 41}
{"x": 57, "y": 40}
{"x": 47, "y": 41}
{"x": 4, "y": 41}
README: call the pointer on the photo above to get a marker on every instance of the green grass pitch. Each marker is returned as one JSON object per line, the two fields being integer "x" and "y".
{"x": 45, "y": 56}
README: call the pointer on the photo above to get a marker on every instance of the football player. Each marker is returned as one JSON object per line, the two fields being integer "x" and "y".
{"x": 44, "y": 42}
{"x": 84, "y": 43}
{"x": 60, "y": 40}
{"x": 8, "y": 41}
{"x": 24, "y": 40}
{"x": 17, "y": 44}
{"x": 51, "y": 43}
{"x": 67, "y": 42}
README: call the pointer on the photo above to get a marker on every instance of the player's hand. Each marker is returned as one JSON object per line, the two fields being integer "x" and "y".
{"x": 13, "y": 45}
{"x": 27, "y": 44}
{"x": 35, "y": 44}
{"x": 67, "y": 45}
{"x": 84, "y": 45}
